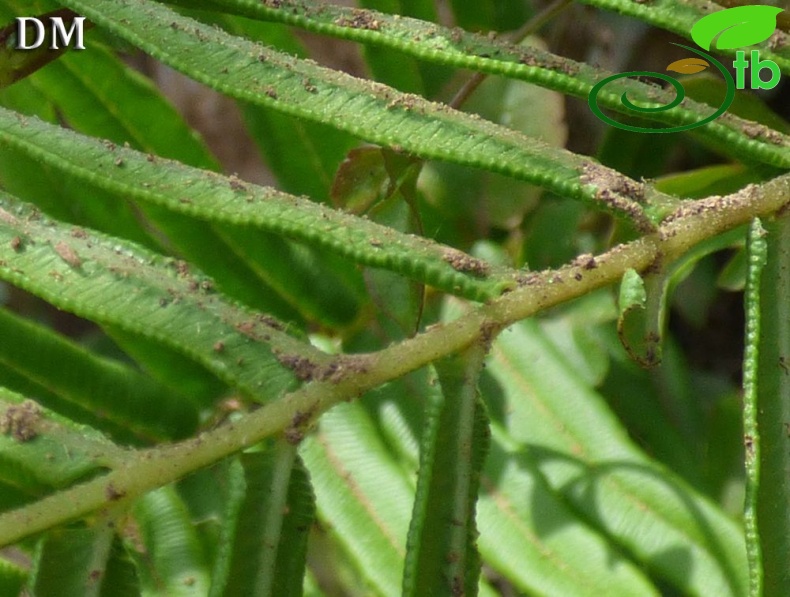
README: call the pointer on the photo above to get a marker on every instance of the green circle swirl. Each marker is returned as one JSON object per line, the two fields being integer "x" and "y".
{"x": 680, "y": 94}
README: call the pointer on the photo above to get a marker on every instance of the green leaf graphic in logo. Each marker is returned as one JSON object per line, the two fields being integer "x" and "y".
{"x": 735, "y": 27}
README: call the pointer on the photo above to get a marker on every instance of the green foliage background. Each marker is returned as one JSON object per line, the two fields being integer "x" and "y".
{"x": 406, "y": 368}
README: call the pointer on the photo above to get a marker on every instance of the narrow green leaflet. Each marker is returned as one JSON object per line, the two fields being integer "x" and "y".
{"x": 206, "y": 195}
{"x": 95, "y": 385}
{"x": 372, "y": 111}
{"x": 88, "y": 89}
{"x": 768, "y": 407}
{"x": 460, "y": 49}
{"x": 442, "y": 556}
{"x": 528, "y": 532}
{"x": 114, "y": 282}
{"x": 172, "y": 561}
{"x": 530, "y": 535}
{"x": 362, "y": 492}
{"x": 757, "y": 248}
{"x": 12, "y": 577}
{"x": 172, "y": 368}
{"x": 41, "y": 450}
{"x": 381, "y": 184}
{"x": 587, "y": 458}
{"x": 681, "y": 17}
{"x": 83, "y": 562}
{"x": 641, "y": 319}
{"x": 264, "y": 536}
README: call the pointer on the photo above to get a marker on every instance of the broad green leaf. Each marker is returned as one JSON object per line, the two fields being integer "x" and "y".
{"x": 709, "y": 180}
{"x": 474, "y": 15}
{"x": 537, "y": 113}
{"x": 575, "y": 332}
{"x": 442, "y": 556}
{"x": 735, "y": 27}
{"x": 269, "y": 513}
{"x": 302, "y": 155}
{"x": 733, "y": 275}
{"x": 668, "y": 419}
{"x": 397, "y": 71}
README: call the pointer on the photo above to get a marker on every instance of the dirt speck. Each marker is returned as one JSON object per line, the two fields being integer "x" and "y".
{"x": 293, "y": 436}
{"x": 16, "y": 243}
{"x": 754, "y": 130}
{"x": 271, "y": 322}
{"x": 236, "y": 184}
{"x": 461, "y": 262}
{"x": 488, "y": 331}
{"x": 586, "y": 261}
{"x": 67, "y": 254}
{"x": 20, "y": 421}
{"x": 299, "y": 426}
{"x": 303, "y": 367}
{"x": 308, "y": 86}
{"x": 112, "y": 493}
{"x": 360, "y": 19}
{"x": 8, "y": 218}
{"x": 618, "y": 192}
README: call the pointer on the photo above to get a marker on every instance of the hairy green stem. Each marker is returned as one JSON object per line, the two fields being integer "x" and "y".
{"x": 758, "y": 250}
{"x": 145, "y": 470}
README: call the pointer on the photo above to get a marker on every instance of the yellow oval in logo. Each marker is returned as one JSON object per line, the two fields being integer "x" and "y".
{"x": 688, "y": 66}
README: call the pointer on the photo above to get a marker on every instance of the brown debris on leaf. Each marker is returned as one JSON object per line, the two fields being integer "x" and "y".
{"x": 20, "y": 420}
{"x": 618, "y": 192}
{"x": 461, "y": 262}
{"x": 335, "y": 371}
{"x": 361, "y": 19}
